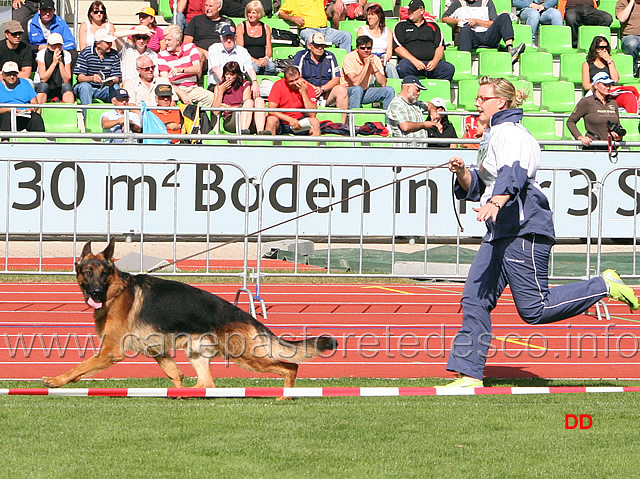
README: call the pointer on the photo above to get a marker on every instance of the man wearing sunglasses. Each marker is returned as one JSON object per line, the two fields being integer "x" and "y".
{"x": 359, "y": 70}
{"x": 15, "y": 50}
{"x": 131, "y": 50}
{"x": 143, "y": 86}
{"x": 18, "y": 90}
{"x": 46, "y": 22}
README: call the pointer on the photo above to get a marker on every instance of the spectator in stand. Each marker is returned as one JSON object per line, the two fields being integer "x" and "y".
{"x": 629, "y": 17}
{"x": 227, "y": 50}
{"x": 130, "y": 52}
{"x": 204, "y": 30}
{"x": 473, "y": 129}
{"x": 321, "y": 69}
{"x": 406, "y": 114}
{"x": 98, "y": 70}
{"x": 180, "y": 64}
{"x": 144, "y": 86}
{"x": 53, "y": 77}
{"x": 18, "y": 90}
{"x": 420, "y": 45}
{"x": 147, "y": 18}
{"x": 255, "y": 36}
{"x": 481, "y": 26}
{"x": 172, "y": 119}
{"x": 46, "y": 22}
{"x": 292, "y": 91}
{"x": 596, "y": 110}
{"x": 338, "y": 10}
{"x": 23, "y": 11}
{"x": 582, "y": 12}
{"x": 382, "y": 38}
{"x": 113, "y": 121}
{"x": 309, "y": 16}
{"x": 359, "y": 69}
{"x": 187, "y": 10}
{"x": 15, "y": 50}
{"x": 235, "y": 91}
{"x": 443, "y": 128}
{"x": 97, "y": 20}
{"x": 535, "y": 12}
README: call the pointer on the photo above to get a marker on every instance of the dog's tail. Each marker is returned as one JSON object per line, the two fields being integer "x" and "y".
{"x": 302, "y": 350}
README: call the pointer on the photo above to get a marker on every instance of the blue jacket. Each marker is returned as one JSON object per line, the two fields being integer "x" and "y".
{"x": 508, "y": 159}
{"x": 58, "y": 25}
{"x": 522, "y": 4}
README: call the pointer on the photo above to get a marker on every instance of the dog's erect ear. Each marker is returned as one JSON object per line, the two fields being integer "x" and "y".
{"x": 108, "y": 251}
{"x": 86, "y": 251}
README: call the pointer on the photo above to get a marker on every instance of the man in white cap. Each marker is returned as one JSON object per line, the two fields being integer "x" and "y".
{"x": 13, "y": 49}
{"x": 53, "y": 78}
{"x": 405, "y": 115}
{"x": 98, "y": 70}
{"x": 18, "y": 90}
{"x": 130, "y": 52}
{"x": 113, "y": 121}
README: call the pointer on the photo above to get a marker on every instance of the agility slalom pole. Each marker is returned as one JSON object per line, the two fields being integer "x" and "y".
{"x": 267, "y": 392}
{"x": 316, "y": 210}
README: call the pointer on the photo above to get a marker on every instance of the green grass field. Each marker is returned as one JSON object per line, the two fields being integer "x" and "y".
{"x": 395, "y": 437}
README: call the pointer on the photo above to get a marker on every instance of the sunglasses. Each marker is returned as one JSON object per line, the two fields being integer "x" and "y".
{"x": 143, "y": 15}
{"x": 99, "y": 11}
{"x": 365, "y": 48}
{"x": 146, "y": 69}
{"x": 140, "y": 37}
{"x": 318, "y": 45}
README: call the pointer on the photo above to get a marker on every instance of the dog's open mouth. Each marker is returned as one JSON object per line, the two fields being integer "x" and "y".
{"x": 93, "y": 303}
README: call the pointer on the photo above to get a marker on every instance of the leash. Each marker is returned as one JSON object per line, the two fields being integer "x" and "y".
{"x": 235, "y": 240}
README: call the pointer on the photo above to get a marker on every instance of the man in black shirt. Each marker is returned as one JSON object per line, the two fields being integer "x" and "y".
{"x": 420, "y": 46}
{"x": 14, "y": 50}
{"x": 204, "y": 30}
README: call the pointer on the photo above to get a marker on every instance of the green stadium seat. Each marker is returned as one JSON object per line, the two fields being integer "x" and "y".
{"x": 522, "y": 34}
{"x": 395, "y": 83}
{"x": 92, "y": 120}
{"x": 74, "y": 140}
{"x": 462, "y": 62}
{"x": 503, "y": 6}
{"x": 387, "y": 5}
{"x": 496, "y": 64}
{"x": 467, "y": 92}
{"x": 586, "y": 34}
{"x": 328, "y": 114}
{"x": 352, "y": 27}
{"x": 555, "y": 39}
{"x": 361, "y": 118}
{"x": 558, "y": 97}
{"x": 609, "y": 6}
{"x": 571, "y": 67}
{"x": 276, "y": 22}
{"x": 62, "y": 120}
{"x": 438, "y": 88}
{"x": 21, "y": 139}
{"x": 624, "y": 65}
{"x": 390, "y": 23}
{"x": 285, "y": 51}
{"x": 631, "y": 125}
{"x": 447, "y": 32}
{"x": 529, "y": 104}
{"x": 537, "y": 67}
{"x": 541, "y": 127}
{"x": 339, "y": 53}
{"x": 164, "y": 10}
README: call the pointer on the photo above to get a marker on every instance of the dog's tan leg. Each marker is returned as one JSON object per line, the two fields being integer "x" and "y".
{"x": 288, "y": 371}
{"x": 203, "y": 370}
{"x": 108, "y": 356}
{"x": 171, "y": 369}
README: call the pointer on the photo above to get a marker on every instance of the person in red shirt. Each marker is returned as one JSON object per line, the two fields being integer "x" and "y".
{"x": 171, "y": 118}
{"x": 292, "y": 91}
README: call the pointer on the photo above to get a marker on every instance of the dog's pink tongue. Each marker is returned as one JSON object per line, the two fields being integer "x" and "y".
{"x": 94, "y": 304}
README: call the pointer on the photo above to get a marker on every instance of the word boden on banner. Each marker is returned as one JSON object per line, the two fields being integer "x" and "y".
{"x": 190, "y": 190}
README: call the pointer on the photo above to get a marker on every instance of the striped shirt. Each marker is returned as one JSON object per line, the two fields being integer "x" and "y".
{"x": 89, "y": 63}
{"x": 185, "y": 58}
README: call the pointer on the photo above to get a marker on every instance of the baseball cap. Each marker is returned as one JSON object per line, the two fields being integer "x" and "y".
{"x": 13, "y": 26}
{"x": 10, "y": 67}
{"x": 410, "y": 79}
{"x": 55, "y": 39}
{"x": 164, "y": 90}
{"x": 317, "y": 38}
{"x": 416, "y": 4}
{"x": 603, "y": 77}
{"x": 103, "y": 35}
{"x": 141, "y": 30}
{"x": 227, "y": 30}
{"x": 439, "y": 102}
{"x": 121, "y": 94}
{"x": 47, "y": 4}
{"x": 147, "y": 11}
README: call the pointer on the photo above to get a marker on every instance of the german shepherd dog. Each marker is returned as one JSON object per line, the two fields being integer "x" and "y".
{"x": 148, "y": 315}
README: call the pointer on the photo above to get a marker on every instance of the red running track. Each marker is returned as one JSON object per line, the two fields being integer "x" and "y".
{"x": 400, "y": 331}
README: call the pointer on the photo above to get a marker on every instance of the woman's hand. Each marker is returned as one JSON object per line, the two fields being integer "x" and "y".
{"x": 225, "y": 85}
{"x": 456, "y": 165}
{"x": 486, "y": 212}
{"x": 586, "y": 141}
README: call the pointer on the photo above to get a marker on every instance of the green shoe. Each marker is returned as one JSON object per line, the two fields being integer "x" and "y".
{"x": 465, "y": 382}
{"x": 618, "y": 290}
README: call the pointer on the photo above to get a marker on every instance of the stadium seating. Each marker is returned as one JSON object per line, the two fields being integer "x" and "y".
{"x": 631, "y": 125}
{"x": 586, "y": 34}
{"x": 276, "y": 22}
{"x": 285, "y": 52}
{"x": 537, "y": 67}
{"x": 462, "y": 62}
{"x": 92, "y": 120}
{"x": 558, "y": 97}
{"x": 609, "y": 6}
{"x": 496, "y": 64}
{"x": 522, "y": 34}
{"x": 339, "y": 53}
{"x": 352, "y": 27}
{"x": 361, "y": 118}
{"x": 164, "y": 10}
{"x": 438, "y": 88}
{"x": 387, "y": 5}
{"x": 555, "y": 39}
{"x": 395, "y": 83}
{"x": 62, "y": 120}
{"x": 571, "y": 67}
{"x": 541, "y": 127}
{"x": 467, "y": 92}
{"x": 624, "y": 65}
{"x": 447, "y": 33}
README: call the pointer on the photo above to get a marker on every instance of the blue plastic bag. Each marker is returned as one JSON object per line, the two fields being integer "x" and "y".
{"x": 152, "y": 124}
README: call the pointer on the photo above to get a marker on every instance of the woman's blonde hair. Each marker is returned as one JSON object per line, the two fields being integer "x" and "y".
{"x": 505, "y": 89}
{"x": 254, "y": 5}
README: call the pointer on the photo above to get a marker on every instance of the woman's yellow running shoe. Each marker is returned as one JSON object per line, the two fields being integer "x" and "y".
{"x": 618, "y": 290}
{"x": 465, "y": 382}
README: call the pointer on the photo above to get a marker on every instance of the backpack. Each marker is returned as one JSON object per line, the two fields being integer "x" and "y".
{"x": 285, "y": 36}
{"x": 194, "y": 122}
{"x": 283, "y": 63}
